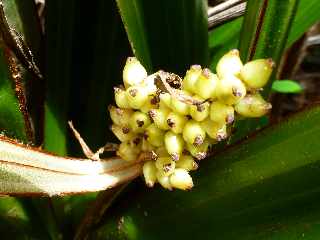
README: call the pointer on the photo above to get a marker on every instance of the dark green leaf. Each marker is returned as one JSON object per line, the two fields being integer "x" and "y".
{"x": 21, "y": 102}
{"x": 169, "y": 35}
{"x": 226, "y": 36}
{"x": 86, "y": 49}
{"x": 18, "y": 94}
{"x": 263, "y": 35}
{"x": 286, "y": 86}
{"x": 265, "y": 29}
{"x": 263, "y": 188}
{"x": 59, "y": 34}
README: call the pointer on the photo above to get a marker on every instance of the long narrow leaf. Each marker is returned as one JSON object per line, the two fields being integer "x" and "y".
{"x": 241, "y": 189}
{"x": 170, "y": 35}
{"x": 225, "y": 37}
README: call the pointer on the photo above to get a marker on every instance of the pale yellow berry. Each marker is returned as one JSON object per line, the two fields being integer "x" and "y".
{"x": 121, "y": 98}
{"x": 199, "y": 112}
{"x": 139, "y": 121}
{"x": 120, "y": 116}
{"x": 181, "y": 179}
{"x": 231, "y": 90}
{"x": 151, "y": 103}
{"x": 206, "y": 85}
{"x": 180, "y": 107}
{"x": 159, "y": 117}
{"x": 137, "y": 96}
{"x": 221, "y": 113}
{"x": 193, "y": 133}
{"x": 229, "y": 64}
{"x": 164, "y": 180}
{"x": 146, "y": 146}
{"x": 174, "y": 144}
{"x": 122, "y": 133}
{"x": 162, "y": 152}
{"x": 165, "y": 100}
{"x": 149, "y": 85}
{"x": 255, "y": 74}
{"x": 165, "y": 165}
{"x": 252, "y": 105}
{"x": 200, "y": 151}
{"x": 133, "y": 72}
{"x": 215, "y": 130}
{"x": 187, "y": 162}
{"x": 150, "y": 173}
{"x": 129, "y": 150}
{"x": 190, "y": 78}
{"x": 176, "y": 122}
{"x": 154, "y": 135}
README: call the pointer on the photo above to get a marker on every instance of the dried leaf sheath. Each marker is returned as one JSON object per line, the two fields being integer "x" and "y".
{"x": 27, "y": 171}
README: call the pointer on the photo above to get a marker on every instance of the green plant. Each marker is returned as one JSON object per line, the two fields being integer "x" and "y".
{"x": 253, "y": 190}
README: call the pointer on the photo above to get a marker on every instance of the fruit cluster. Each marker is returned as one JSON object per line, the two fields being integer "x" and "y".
{"x": 173, "y": 123}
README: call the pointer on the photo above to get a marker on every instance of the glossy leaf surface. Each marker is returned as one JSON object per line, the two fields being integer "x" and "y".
{"x": 169, "y": 35}
{"x": 249, "y": 188}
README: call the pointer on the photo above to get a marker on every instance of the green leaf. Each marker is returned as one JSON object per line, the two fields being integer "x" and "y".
{"x": 264, "y": 34}
{"x": 265, "y": 30}
{"x": 59, "y": 39}
{"x": 226, "y": 36}
{"x": 286, "y": 86}
{"x": 86, "y": 49}
{"x": 18, "y": 93}
{"x": 222, "y": 39}
{"x": 263, "y": 188}
{"x": 168, "y": 35}
{"x": 21, "y": 111}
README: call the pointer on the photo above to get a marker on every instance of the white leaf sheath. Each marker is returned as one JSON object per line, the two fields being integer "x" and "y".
{"x": 28, "y": 171}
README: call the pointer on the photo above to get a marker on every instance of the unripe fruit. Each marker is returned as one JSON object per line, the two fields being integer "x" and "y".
{"x": 149, "y": 85}
{"x": 121, "y": 98}
{"x": 122, "y": 133}
{"x": 206, "y": 85}
{"x": 129, "y": 151}
{"x": 139, "y": 121}
{"x": 229, "y": 64}
{"x": 165, "y": 165}
{"x": 230, "y": 90}
{"x": 199, "y": 152}
{"x": 255, "y": 74}
{"x": 187, "y": 162}
{"x": 146, "y": 146}
{"x": 120, "y": 116}
{"x": 180, "y": 107}
{"x": 137, "y": 96}
{"x": 133, "y": 72}
{"x": 174, "y": 144}
{"x": 221, "y": 113}
{"x": 199, "y": 112}
{"x": 193, "y": 133}
{"x": 165, "y": 100}
{"x": 151, "y": 103}
{"x": 159, "y": 117}
{"x": 252, "y": 105}
{"x": 150, "y": 173}
{"x": 181, "y": 179}
{"x": 164, "y": 180}
{"x": 191, "y": 77}
{"x": 154, "y": 135}
{"x": 162, "y": 152}
{"x": 215, "y": 130}
{"x": 176, "y": 122}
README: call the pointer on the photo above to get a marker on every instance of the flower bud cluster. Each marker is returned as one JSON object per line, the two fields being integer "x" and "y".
{"x": 175, "y": 124}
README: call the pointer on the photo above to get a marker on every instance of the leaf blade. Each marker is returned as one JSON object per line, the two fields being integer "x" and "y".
{"x": 233, "y": 189}
{"x": 182, "y": 27}
{"x": 286, "y": 86}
